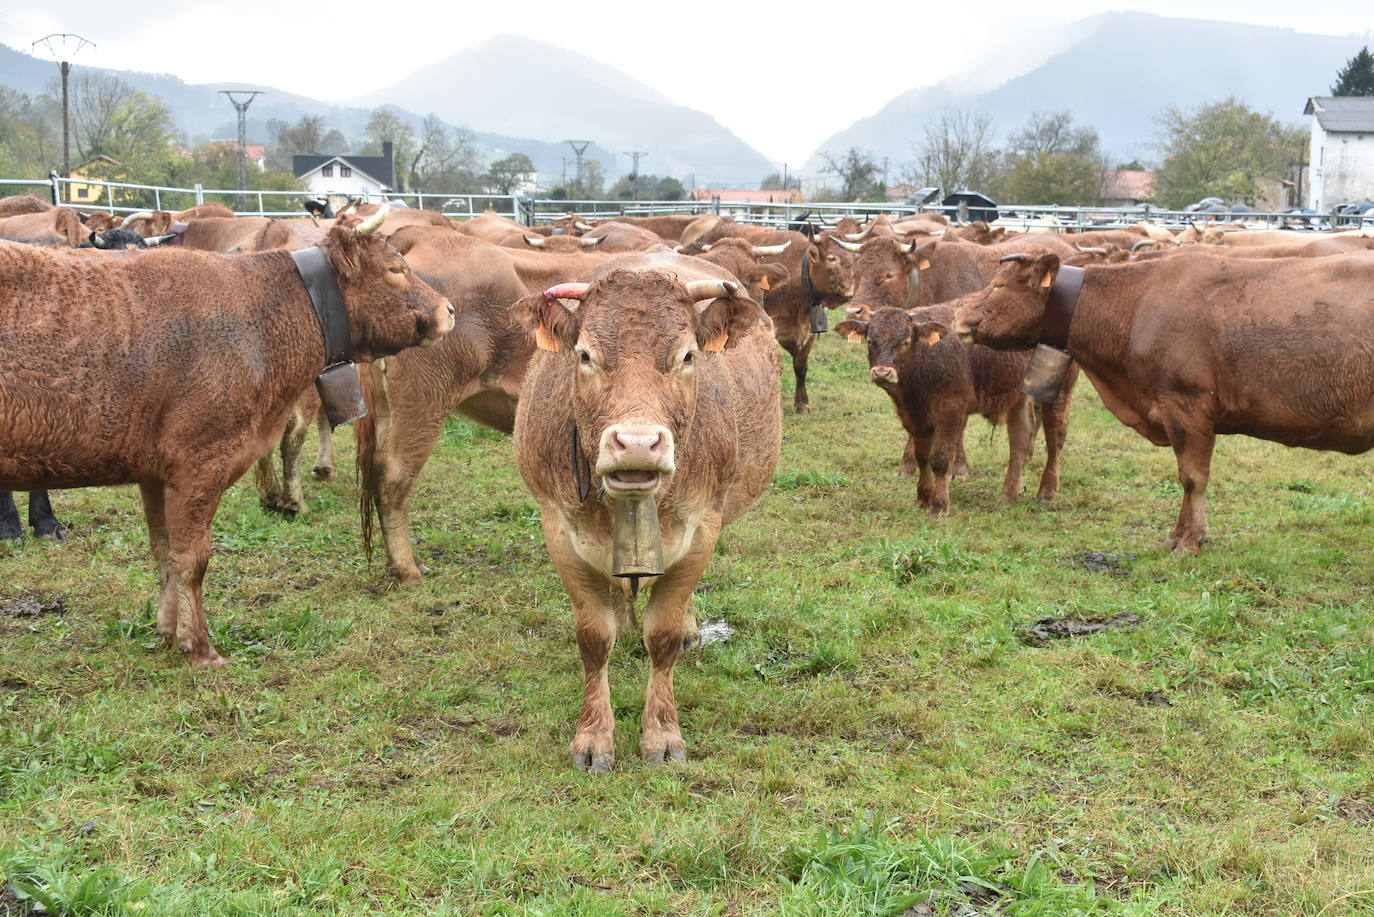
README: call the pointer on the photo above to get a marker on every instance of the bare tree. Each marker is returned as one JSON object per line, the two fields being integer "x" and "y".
{"x": 957, "y": 152}
{"x": 308, "y": 136}
{"x": 856, "y": 170}
{"x": 112, "y": 118}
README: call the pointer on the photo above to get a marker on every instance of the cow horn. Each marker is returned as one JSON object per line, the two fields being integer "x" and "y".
{"x": 536, "y": 241}
{"x": 597, "y": 241}
{"x": 584, "y": 227}
{"x": 141, "y": 215}
{"x": 566, "y": 291}
{"x": 832, "y": 221}
{"x": 1019, "y": 258}
{"x": 858, "y": 236}
{"x": 97, "y": 240}
{"x": 848, "y": 246}
{"x": 1090, "y": 250}
{"x": 1141, "y": 244}
{"x": 679, "y": 248}
{"x": 158, "y": 240}
{"x": 373, "y": 223}
{"x": 906, "y": 249}
{"x": 764, "y": 250}
{"x": 698, "y": 290}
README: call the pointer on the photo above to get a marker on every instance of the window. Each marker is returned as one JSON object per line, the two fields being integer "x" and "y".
{"x": 345, "y": 172}
{"x": 328, "y": 171}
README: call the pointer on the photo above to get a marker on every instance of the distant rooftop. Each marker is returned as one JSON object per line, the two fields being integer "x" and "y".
{"x": 1342, "y": 113}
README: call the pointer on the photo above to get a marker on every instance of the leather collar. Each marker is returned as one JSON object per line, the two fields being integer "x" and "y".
{"x": 1059, "y": 307}
{"x": 582, "y": 469}
{"x": 327, "y": 299}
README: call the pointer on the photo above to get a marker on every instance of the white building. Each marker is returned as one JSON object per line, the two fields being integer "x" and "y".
{"x": 346, "y": 175}
{"x": 1342, "y": 151}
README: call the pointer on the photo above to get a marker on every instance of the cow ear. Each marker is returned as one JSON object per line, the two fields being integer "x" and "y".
{"x": 776, "y": 274}
{"x": 920, "y": 255}
{"x": 1045, "y": 268}
{"x": 553, "y": 326}
{"x": 930, "y": 333}
{"x": 725, "y": 320}
{"x": 859, "y": 312}
{"x": 853, "y": 330}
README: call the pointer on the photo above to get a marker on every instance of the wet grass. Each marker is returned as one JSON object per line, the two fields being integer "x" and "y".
{"x": 874, "y": 739}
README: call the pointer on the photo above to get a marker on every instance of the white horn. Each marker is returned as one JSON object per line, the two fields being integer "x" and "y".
{"x": 698, "y": 290}
{"x": 765, "y": 250}
{"x": 141, "y": 215}
{"x": 158, "y": 240}
{"x": 584, "y": 227}
{"x": 679, "y": 248}
{"x": 906, "y": 249}
{"x": 1141, "y": 244}
{"x": 832, "y": 221}
{"x": 848, "y": 246}
{"x": 597, "y": 241}
{"x": 373, "y": 223}
{"x": 1090, "y": 250}
{"x": 536, "y": 241}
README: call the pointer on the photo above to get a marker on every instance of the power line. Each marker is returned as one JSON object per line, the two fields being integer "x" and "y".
{"x": 62, "y": 47}
{"x": 634, "y": 171}
{"x": 579, "y": 147}
{"x": 242, "y": 109}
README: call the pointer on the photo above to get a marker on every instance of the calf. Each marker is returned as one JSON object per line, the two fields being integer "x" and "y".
{"x": 656, "y": 400}
{"x": 935, "y": 383}
{"x": 1193, "y": 345}
{"x": 174, "y": 370}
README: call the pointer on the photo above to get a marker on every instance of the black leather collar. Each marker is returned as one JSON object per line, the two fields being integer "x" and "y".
{"x": 820, "y": 321}
{"x": 327, "y": 299}
{"x": 1059, "y": 307}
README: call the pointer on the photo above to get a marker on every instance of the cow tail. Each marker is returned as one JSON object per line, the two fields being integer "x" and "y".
{"x": 365, "y": 430}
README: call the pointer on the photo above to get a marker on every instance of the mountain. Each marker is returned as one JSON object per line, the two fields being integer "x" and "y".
{"x": 525, "y": 88}
{"x": 511, "y": 107}
{"x": 1118, "y": 73}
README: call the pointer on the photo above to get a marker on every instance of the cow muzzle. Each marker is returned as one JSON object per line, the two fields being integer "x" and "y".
{"x": 441, "y": 323}
{"x": 883, "y": 375}
{"x": 634, "y": 458}
{"x": 964, "y": 330}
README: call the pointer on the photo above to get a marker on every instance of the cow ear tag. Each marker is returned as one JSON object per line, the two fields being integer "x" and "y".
{"x": 924, "y": 265}
{"x": 764, "y": 285}
{"x": 544, "y": 339}
{"x": 932, "y": 338}
{"x": 1046, "y": 281}
{"x": 717, "y": 342}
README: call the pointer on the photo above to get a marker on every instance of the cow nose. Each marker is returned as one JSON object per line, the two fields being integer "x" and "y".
{"x": 637, "y": 444}
{"x": 886, "y": 374}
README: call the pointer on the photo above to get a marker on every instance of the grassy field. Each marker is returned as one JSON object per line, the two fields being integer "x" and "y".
{"x": 874, "y": 739}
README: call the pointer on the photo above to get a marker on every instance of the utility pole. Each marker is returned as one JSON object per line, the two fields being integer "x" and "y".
{"x": 242, "y": 108}
{"x": 634, "y": 171}
{"x": 579, "y": 147}
{"x": 784, "y": 176}
{"x": 61, "y": 47}
{"x": 565, "y": 173}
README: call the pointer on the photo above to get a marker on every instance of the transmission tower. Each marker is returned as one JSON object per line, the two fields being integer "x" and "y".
{"x": 242, "y": 108}
{"x": 62, "y": 47}
{"x": 579, "y": 147}
{"x": 634, "y": 172}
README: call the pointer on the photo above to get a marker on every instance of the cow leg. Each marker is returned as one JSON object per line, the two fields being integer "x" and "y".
{"x": 189, "y": 513}
{"x": 1021, "y": 440}
{"x": 397, "y": 471}
{"x": 1194, "y": 453}
{"x": 908, "y": 466}
{"x": 667, "y": 625}
{"x": 324, "y": 462}
{"x": 961, "y": 469}
{"x": 41, "y": 516}
{"x": 801, "y": 357}
{"x": 155, "y": 516}
{"x": 949, "y": 432}
{"x": 925, "y": 485}
{"x": 1056, "y": 420}
{"x": 10, "y": 527}
{"x": 292, "y": 458}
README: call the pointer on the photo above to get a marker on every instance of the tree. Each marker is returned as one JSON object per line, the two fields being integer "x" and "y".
{"x": 855, "y": 170}
{"x": 111, "y": 118}
{"x": 1052, "y": 162}
{"x": 30, "y": 134}
{"x": 310, "y": 135}
{"x": 651, "y": 188}
{"x": 507, "y": 174}
{"x": 591, "y": 185}
{"x": 1356, "y": 78}
{"x": 774, "y": 182}
{"x": 1224, "y": 150}
{"x": 957, "y": 152}
{"x": 387, "y": 127}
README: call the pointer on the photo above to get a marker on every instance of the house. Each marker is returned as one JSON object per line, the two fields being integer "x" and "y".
{"x": 346, "y": 175}
{"x": 738, "y": 196}
{"x": 98, "y": 168}
{"x": 1342, "y": 151}
{"x": 1127, "y": 187}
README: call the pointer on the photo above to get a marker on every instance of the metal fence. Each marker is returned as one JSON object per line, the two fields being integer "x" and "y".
{"x": 125, "y": 197}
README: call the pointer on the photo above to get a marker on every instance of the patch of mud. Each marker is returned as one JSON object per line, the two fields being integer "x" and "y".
{"x": 1155, "y": 699}
{"x": 1357, "y": 808}
{"x": 971, "y": 900}
{"x": 715, "y": 631}
{"x": 13, "y": 684}
{"x": 32, "y": 605}
{"x": 1047, "y": 629}
{"x": 1117, "y": 565}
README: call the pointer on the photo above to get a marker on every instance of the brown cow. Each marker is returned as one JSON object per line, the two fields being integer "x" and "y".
{"x": 236, "y": 235}
{"x": 59, "y": 226}
{"x": 22, "y": 203}
{"x": 669, "y": 378}
{"x": 669, "y": 227}
{"x": 742, "y": 260}
{"x": 936, "y": 383}
{"x": 101, "y": 221}
{"x": 175, "y": 370}
{"x": 148, "y": 223}
{"x": 1185, "y": 348}
{"x": 201, "y": 212}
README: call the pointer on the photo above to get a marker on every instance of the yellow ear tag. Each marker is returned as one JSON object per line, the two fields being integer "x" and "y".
{"x": 717, "y": 342}
{"x": 544, "y": 340}
{"x": 924, "y": 265}
{"x": 764, "y": 285}
{"x": 932, "y": 339}
{"x": 854, "y": 337}
{"x": 1046, "y": 281}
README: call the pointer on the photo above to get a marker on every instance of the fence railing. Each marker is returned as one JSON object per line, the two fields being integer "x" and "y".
{"x": 127, "y": 197}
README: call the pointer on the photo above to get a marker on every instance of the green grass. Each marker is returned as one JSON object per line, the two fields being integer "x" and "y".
{"x": 875, "y": 739}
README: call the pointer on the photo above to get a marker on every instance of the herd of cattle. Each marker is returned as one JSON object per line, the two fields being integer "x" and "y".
{"x": 633, "y": 360}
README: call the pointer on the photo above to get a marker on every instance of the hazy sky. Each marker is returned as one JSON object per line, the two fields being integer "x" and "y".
{"x": 782, "y": 76}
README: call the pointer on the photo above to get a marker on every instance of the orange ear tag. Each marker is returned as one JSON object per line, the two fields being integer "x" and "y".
{"x": 932, "y": 338}
{"x": 544, "y": 340}
{"x": 717, "y": 342}
{"x": 1046, "y": 281}
{"x": 764, "y": 285}
{"x": 924, "y": 265}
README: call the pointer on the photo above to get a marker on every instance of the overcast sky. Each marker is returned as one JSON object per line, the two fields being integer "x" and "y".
{"x": 782, "y": 76}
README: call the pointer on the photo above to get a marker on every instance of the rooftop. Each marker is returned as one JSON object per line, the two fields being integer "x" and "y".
{"x": 1342, "y": 113}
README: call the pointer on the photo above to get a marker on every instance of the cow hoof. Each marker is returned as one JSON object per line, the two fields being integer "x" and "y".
{"x": 208, "y": 660}
{"x": 324, "y": 472}
{"x": 803, "y": 409}
{"x": 691, "y": 641}
{"x": 13, "y": 538}
{"x": 672, "y": 754}
{"x": 905, "y": 472}
{"x": 58, "y": 532}
{"x": 590, "y": 762}
{"x": 1188, "y": 547}
{"x": 938, "y": 513}
{"x": 1043, "y": 498}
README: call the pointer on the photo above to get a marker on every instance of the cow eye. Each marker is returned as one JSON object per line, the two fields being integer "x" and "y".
{"x": 586, "y": 358}
{"x": 687, "y": 358}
